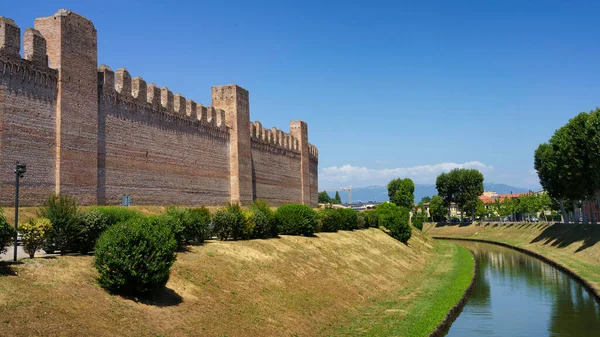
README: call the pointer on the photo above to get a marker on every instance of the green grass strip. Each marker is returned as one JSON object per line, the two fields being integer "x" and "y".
{"x": 419, "y": 308}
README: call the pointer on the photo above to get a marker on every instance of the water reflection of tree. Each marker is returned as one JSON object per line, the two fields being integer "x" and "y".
{"x": 574, "y": 313}
{"x": 480, "y": 296}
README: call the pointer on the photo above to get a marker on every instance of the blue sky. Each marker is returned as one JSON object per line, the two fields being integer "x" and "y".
{"x": 388, "y": 88}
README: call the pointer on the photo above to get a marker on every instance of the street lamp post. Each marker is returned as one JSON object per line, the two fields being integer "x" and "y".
{"x": 19, "y": 172}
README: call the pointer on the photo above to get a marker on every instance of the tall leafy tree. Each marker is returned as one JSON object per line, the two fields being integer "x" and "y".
{"x": 437, "y": 209}
{"x": 338, "y": 200}
{"x": 547, "y": 163}
{"x": 447, "y": 187}
{"x": 470, "y": 184}
{"x": 402, "y": 192}
{"x": 571, "y": 142}
{"x": 324, "y": 198}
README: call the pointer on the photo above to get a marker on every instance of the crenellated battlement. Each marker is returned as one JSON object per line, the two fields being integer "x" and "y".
{"x": 272, "y": 138}
{"x": 313, "y": 152}
{"x": 29, "y": 75}
{"x": 59, "y": 110}
{"x": 135, "y": 96}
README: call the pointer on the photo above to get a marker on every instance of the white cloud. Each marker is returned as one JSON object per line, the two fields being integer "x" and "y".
{"x": 361, "y": 176}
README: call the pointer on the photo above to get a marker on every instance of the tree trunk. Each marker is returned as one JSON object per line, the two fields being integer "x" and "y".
{"x": 563, "y": 212}
{"x": 583, "y": 212}
{"x": 449, "y": 212}
{"x": 575, "y": 215}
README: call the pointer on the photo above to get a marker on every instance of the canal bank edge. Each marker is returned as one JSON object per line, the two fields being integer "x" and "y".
{"x": 453, "y": 313}
{"x": 553, "y": 263}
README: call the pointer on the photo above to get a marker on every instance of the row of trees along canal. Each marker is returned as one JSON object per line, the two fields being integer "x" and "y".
{"x": 568, "y": 166}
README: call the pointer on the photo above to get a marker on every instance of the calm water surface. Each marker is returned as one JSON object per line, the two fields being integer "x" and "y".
{"x": 519, "y": 295}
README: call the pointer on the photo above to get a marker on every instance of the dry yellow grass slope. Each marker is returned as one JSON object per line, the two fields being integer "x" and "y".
{"x": 291, "y": 286}
{"x": 574, "y": 246}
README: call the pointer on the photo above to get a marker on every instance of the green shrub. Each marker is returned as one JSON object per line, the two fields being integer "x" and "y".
{"x": 348, "y": 219}
{"x": 395, "y": 219}
{"x": 135, "y": 257}
{"x": 92, "y": 223}
{"x": 229, "y": 222}
{"x": 417, "y": 222}
{"x": 34, "y": 232}
{"x": 62, "y": 212}
{"x": 116, "y": 214}
{"x": 7, "y": 232}
{"x": 197, "y": 225}
{"x": 329, "y": 220}
{"x": 361, "y": 221}
{"x": 174, "y": 219}
{"x": 262, "y": 226}
{"x": 372, "y": 218}
{"x": 265, "y": 225}
{"x": 249, "y": 225}
{"x": 295, "y": 219}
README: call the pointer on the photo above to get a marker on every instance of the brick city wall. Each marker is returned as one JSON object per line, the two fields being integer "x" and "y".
{"x": 96, "y": 134}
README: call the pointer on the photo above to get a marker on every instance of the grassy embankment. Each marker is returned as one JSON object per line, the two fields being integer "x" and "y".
{"x": 572, "y": 246}
{"x": 360, "y": 283}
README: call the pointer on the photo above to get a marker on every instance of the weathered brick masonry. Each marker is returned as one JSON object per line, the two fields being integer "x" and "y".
{"x": 97, "y": 134}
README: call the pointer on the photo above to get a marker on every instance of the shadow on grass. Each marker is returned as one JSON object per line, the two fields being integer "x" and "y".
{"x": 163, "y": 297}
{"x": 6, "y": 270}
{"x": 562, "y": 235}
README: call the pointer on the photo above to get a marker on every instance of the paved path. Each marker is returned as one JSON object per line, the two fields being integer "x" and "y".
{"x": 8, "y": 256}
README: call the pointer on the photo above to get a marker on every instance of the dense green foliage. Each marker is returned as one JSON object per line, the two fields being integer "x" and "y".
{"x": 34, "y": 232}
{"x": 348, "y": 219}
{"x": 437, "y": 210}
{"x": 329, "y": 220}
{"x": 62, "y": 211}
{"x": 91, "y": 225}
{"x": 324, "y": 198}
{"x": 361, "y": 221}
{"x": 371, "y": 218}
{"x": 187, "y": 224}
{"x": 395, "y": 219}
{"x": 417, "y": 222}
{"x": 461, "y": 186}
{"x": 402, "y": 192}
{"x": 117, "y": 214}
{"x": 295, "y": 219}
{"x": 568, "y": 165}
{"x": 265, "y": 227}
{"x": 135, "y": 257}
{"x": 229, "y": 222}
{"x": 337, "y": 199}
{"x": 196, "y": 225}
{"x": 7, "y": 232}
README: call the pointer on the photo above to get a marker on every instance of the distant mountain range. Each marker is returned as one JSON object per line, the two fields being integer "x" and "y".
{"x": 379, "y": 192}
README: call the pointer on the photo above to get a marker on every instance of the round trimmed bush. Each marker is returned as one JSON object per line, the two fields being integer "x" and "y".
{"x": 295, "y": 219}
{"x": 329, "y": 220}
{"x": 348, "y": 219}
{"x": 135, "y": 257}
{"x": 7, "y": 232}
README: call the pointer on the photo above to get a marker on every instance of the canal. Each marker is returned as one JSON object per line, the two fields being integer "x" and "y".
{"x": 518, "y": 295}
